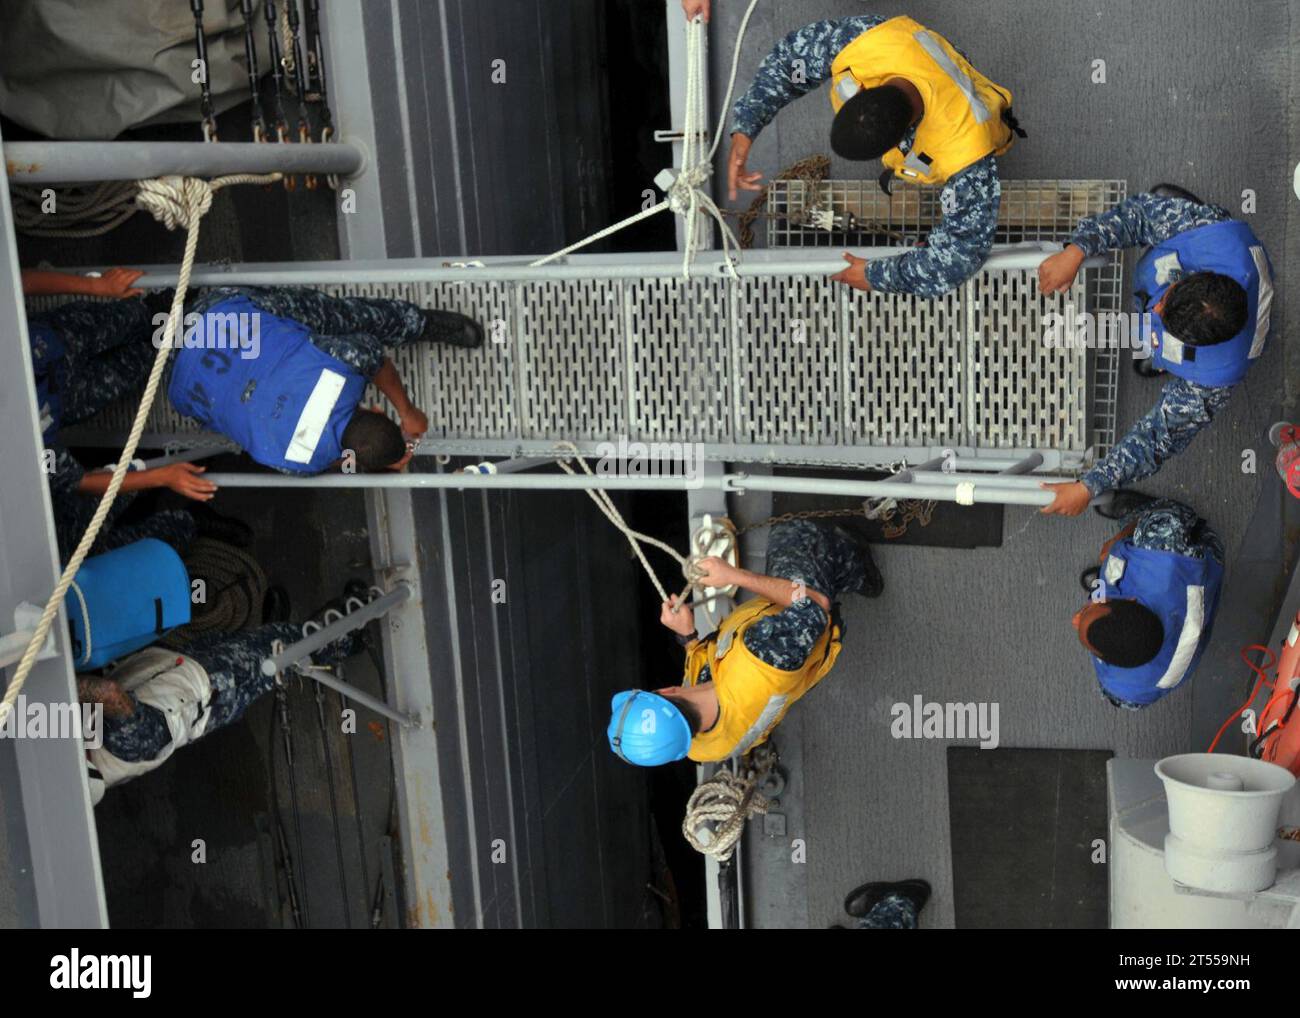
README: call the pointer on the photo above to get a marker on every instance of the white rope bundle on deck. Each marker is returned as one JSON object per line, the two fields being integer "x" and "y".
{"x": 686, "y": 196}
{"x": 176, "y": 202}
{"x": 727, "y": 802}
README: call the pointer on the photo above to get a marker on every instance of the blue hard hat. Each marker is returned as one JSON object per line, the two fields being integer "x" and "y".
{"x": 647, "y": 729}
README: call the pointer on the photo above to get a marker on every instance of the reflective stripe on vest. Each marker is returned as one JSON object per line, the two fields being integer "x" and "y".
{"x": 960, "y": 78}
{"x": 1229, "y": 248}
{"x": 315, "y": 416}
{"x": 1183, "y": 592}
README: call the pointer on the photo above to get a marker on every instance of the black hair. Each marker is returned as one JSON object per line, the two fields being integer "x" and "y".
{"x": 375, "y": 440}
{"x": 689, "y": 711}
{"x": 1127, "y": 636}
{"x": 871, "y": 123}
{"x": 1205, "y": 308}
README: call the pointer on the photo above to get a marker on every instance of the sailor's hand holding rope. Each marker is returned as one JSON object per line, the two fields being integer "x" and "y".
{"x": 696, "y": 7}
{"x": 715, "y": 572}
{"x": 672, "y": 616}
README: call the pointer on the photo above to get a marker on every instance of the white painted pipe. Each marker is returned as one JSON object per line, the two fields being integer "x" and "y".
{"x": 964, "y": 488}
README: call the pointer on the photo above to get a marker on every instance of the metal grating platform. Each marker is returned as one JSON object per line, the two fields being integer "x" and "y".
{"x": 1030, "y": 210}
{"x": 777, "y": 366}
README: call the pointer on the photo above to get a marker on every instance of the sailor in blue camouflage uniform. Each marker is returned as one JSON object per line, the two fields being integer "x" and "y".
{"x": 1165, "y": 552}
{"x": 136, "y": 731}
{"x": 887, "y": 906}
{"x": 291, "y": 394}
{"x": 86, "y": 355}
{"x": 739, "y": 681}
{"x": 825, "y": 559}
{"x": 354, "y": 330}
{"x": 867, "y": 57}
{"x": 1201, "y": 250}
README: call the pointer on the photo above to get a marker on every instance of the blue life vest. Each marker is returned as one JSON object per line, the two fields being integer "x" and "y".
{"x": 125, "y": 599}
{"x": 1184, "y": 592}
{"x": 47, "y": 354}
{"x": 1230, "y": 249}
{"x": 286, "y": 407}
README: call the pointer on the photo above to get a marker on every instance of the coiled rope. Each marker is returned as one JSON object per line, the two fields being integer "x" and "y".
{"x": 79, "y": 212}
{"x": 236, "y": 586}
{"x": 717, "y": 811}
{"x": 176, "y": 202}
{"x": 686, "y": 195}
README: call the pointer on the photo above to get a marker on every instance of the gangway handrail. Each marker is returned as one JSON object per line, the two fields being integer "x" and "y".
{"x": 964, "y": 488}
{"x": 513, "y": 269}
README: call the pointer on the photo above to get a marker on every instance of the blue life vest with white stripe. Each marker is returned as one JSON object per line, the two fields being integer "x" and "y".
{"x": 1181, "y": 590}
{"x": 286, "y": 407}
{"x": 1231, "y": 249}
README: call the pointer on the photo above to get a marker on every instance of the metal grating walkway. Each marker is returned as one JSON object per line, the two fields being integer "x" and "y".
{"x": 1030, "y": 210}
{"x": 778, "y": 366}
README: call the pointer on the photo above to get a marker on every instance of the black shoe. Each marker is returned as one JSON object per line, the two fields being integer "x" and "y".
{"x": 1174, "y": 191}
{"x": 1146, "y": 368}
{"x": 276, "y": 606}
{"x": 227, "y": 529}
{"x": 873, "y": 584}
{"x": 451, "y": 328}
{"x": 862, "y": 900}
{"x": 1121, "y": 504}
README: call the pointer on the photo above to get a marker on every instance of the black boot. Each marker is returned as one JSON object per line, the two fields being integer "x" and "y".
{"x": 862, "y": 900}
{"x": 1123, "y": 503}
{"x": 451, "y": 328}
{"x": 1174, "y": 191}
{"x": 1146, "y": 367}
{"x": 276, "y": 606}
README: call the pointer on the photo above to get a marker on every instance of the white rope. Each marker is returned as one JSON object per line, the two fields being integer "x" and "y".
{"x": 79, "y": 212}
{"x": 703, "y": 541}
{"x": 686, "y": 195}
{"x": 726, "y": 802}
{"x": 176, "y": 202}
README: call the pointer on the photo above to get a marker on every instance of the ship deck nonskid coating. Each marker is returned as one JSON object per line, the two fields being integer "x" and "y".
{"x": 1026, "y": 552}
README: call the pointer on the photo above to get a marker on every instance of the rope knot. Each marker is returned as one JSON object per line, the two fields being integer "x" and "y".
{"x": 176, "y": 202}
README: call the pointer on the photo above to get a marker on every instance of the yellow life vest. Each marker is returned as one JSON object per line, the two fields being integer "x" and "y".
{"x": 963, "y": 119}
{"x": 752, "y": 695}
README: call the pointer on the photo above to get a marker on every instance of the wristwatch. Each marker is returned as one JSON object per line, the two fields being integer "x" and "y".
{"x": 686, "y": 640}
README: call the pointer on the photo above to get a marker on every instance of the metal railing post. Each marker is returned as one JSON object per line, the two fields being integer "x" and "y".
{"x": 327, "y": 634}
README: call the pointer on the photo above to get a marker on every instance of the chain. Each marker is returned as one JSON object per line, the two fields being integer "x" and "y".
{"x": 919, "y": 511}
